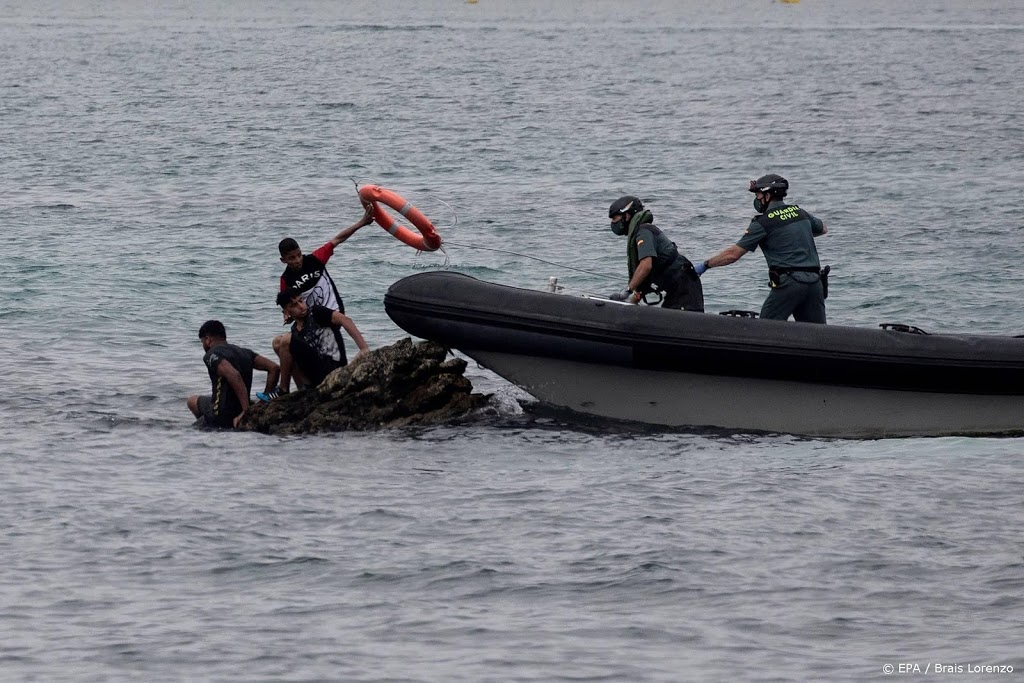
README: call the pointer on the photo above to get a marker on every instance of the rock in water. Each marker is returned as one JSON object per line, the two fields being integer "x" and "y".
{"x": 393, "y": 386}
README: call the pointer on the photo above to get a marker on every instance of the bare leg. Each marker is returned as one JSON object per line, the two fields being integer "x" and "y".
{"x": 281, "y": 344}
{"x": 193, "y": 405}
{"x": 282, "y": 347}
{"x": 279, "y": 340}
{"x": 300, "y": 378}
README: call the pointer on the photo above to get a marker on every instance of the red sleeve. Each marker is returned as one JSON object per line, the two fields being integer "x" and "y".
{"x": 283, "y": 285}
{"x": 324, "y": 253}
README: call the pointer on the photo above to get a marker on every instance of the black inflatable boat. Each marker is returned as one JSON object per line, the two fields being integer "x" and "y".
{"x": 697, "y": 369}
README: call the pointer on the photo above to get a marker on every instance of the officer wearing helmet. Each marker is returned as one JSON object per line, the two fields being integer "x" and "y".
{"x": 654, "y": 262}
{"x": 785, "y": 233}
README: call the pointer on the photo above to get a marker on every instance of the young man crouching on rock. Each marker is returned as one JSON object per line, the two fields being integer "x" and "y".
{"x": 313, "y": 348}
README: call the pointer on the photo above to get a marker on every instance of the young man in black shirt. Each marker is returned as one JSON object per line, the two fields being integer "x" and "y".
{"x": 313, "y": 348}
{"x": 230, "y": 369}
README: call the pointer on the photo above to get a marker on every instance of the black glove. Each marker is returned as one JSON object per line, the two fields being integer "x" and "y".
{"x": 622, "y": 295}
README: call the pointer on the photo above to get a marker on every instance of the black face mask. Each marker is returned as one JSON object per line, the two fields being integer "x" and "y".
{"x": 760, "y": 205}
{"x": 620, "y": 227}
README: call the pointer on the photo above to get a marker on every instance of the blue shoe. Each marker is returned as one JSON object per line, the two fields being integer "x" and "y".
{"x": 267, "y": 396}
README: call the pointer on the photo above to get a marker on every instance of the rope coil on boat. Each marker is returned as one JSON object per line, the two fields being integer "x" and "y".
{"x": 900, "y": 327}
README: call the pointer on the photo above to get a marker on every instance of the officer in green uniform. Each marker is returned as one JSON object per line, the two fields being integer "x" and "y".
{"x": 785, "y": 233}
{"x": 654, "y": 262}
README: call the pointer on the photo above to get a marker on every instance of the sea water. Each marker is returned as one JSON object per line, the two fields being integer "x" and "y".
{"x": 152, "y": 156}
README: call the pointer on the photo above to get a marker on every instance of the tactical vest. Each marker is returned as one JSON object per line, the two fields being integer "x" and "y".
{"x": 661, "y": 262}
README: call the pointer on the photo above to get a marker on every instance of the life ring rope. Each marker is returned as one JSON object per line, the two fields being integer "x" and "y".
{"x": 427, "y": 240}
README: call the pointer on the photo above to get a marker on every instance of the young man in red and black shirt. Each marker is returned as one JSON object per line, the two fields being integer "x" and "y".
{"x": 308, "y": 273}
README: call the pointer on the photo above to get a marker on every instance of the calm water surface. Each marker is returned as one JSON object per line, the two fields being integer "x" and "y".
{"x": 152, "y": 157}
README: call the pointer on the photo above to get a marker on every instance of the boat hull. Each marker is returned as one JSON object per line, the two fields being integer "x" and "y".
{"x": 680, "y": 369}
{"x": 685, "y": 399}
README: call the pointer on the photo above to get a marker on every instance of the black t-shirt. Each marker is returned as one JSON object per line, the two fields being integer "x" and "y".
{"x": 225, "y": 404}
{"x": 320, "y": 335}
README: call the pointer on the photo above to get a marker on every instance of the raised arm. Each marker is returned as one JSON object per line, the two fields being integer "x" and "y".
{"x": 351, "y": 230}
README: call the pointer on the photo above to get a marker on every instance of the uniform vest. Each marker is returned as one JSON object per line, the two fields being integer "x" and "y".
{"x": 661, "y": 263}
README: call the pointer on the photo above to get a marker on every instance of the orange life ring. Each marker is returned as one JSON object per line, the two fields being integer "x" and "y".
{"x": 429, "y": 240}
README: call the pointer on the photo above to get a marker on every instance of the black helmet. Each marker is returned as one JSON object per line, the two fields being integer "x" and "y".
{"x": 771, "y": 183}
{"x": 627, "y": 204}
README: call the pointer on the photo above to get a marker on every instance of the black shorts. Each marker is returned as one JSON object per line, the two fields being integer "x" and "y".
{"x": 207, "y": 420}
{"x": 314, "y": 366}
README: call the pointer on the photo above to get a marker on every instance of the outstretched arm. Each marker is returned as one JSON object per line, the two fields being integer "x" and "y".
{"x": 272, "y": 369}
{"x": 338, "y": 318}
{"x": 730, "y": 254}
{"x": 351, "y": 230}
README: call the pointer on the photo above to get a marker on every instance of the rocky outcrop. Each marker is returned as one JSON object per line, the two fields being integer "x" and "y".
{"x": 393, "y": 386}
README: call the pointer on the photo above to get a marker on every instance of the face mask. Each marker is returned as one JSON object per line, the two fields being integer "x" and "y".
{"x": 759, "y": 205}
{"x": 619, "y": 228}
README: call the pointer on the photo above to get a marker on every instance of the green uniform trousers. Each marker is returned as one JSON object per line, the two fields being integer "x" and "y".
{"x": 804, "y": 301}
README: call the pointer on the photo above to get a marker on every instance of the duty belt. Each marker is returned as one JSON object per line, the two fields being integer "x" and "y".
{"x": 774, "y": 273}
{"x": 797, "y": 269}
